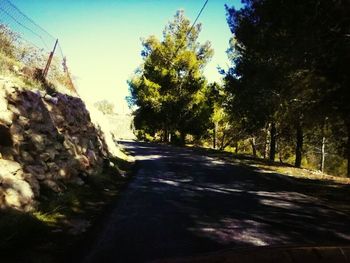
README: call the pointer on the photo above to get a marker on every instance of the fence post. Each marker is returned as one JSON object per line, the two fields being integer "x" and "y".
{"x": 65, "y": 68}
{"x": 46, "y": 70}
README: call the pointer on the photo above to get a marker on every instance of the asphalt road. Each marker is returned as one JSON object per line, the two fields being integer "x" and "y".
{"x": 182, "y": 203}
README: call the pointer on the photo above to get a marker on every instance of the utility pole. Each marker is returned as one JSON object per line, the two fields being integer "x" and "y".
{"x": 323, "y": 153}
{"x": 323, "y": 146}
{"x": 46, "y": 70}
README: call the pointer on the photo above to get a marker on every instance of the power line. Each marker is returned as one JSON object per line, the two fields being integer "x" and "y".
{"x": 194, "y": 23}
{"x": 26, "y": 30}
{"x": 199, "y": 14}
{"x": 187, "y": 34}
{"x": 14, "y": 18}
{"x": 22, "y": 25}
{"x": 60, "y": 49}
{"x": 2, "y": 22}
{"x": 29, "y": 19}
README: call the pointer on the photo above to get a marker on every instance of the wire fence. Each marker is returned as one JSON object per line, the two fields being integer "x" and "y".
{"x": 35, "y": 47}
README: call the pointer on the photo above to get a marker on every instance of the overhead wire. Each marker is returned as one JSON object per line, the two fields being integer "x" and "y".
{"x": 25, "y": 22}
{"x": 28, "y": 31}
{"x": 19, "y": 23}
{"x": 187, "y": 34}
{"x": 29, "y": 19}
{"x": 60, "y": 49}
{"x": 191, "y": 28}
{"x": 25, "y": 27}
{"x": 31, "y": 43}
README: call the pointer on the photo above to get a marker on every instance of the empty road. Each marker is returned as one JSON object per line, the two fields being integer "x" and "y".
{"x": 182, "y": 203}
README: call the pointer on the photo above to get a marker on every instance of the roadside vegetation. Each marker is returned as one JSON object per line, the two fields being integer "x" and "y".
{"x": 284, "y": 99}
{"x": 282, "y": 105}
{"x": 22, "y": 63}
{"x": 54, "y": 228}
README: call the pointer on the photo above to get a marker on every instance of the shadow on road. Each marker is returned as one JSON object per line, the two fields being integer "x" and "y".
{"x": 182, "y": 203}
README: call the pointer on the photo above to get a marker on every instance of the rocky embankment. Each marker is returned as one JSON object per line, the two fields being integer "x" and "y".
{"x": 46, "y": 141}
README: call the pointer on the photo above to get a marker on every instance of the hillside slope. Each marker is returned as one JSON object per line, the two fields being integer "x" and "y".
{"x": 47, "y": 140}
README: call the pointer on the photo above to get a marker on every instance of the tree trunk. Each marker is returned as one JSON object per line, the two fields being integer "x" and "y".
{"x": 280, "y": 157}
{"x": 169, "y": 137}
{"x": 182, "y": 138}
{"x": 267, "y": 143}
{"x": 272, "y": 142}
{"x": 215, "y": 135}
{"x": 348, "y": 146}
{"x": 165, "y": 135}
{"x": 348, "y": 152}
{"x": 223, "y": 145}
{"x": 252, "y": 143}
{"x": 236, "y": 148}
{"x": 299, "y": 146}
{"x": 323, "y": 154}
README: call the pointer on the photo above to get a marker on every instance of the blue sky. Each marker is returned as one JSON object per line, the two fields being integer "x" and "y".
{"x": 101, "y": 39}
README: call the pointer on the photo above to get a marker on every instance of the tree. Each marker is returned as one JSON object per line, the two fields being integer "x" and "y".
{"x": 105, "y": 107}
{"x": 170, "y": 84}
{"x": 306, "y": 47}
{"x": 253, "y": 84}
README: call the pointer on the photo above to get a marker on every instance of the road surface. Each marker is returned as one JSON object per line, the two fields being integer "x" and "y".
{"x": 182, "y": 203}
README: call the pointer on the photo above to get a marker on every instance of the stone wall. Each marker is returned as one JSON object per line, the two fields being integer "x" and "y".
{"x": 45, "y": 140}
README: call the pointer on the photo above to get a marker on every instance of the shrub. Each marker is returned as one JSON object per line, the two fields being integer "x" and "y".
{"x": 8, "y": 41}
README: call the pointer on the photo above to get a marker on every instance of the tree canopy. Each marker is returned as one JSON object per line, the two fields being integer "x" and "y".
{"x": 169, "y": 88}
{"x": 285, "y": 93}
{"x": 291, "y": 63}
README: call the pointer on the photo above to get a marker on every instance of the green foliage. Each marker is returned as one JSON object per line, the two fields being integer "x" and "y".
{"x": 291, "y": 68}
{"x": 169, "y": 88}
{"x": 24, "y": 61}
